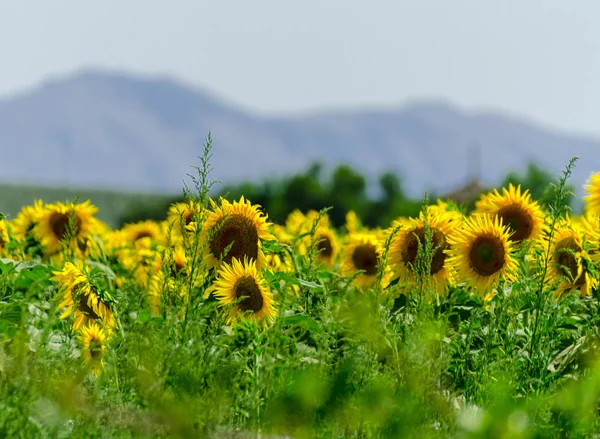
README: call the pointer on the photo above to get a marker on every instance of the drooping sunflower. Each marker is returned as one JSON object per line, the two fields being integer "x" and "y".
{"x": 362, "y": 252}
{"x": 407, "y": 254}
{"x": 523, "y": 216}
{"x": 242, "y": 287}
{"x": 234, "y": 231}
{"x": 480, "y": 253}
{"x": 592, "y": 199}
{"x": 81, "y": 298}
{"x": 59, "y": 221}
{"x": 93, "y": 339}
{"x": 570, "y": 261}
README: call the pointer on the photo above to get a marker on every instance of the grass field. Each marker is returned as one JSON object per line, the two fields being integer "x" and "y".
{"x": 218, "y": 323}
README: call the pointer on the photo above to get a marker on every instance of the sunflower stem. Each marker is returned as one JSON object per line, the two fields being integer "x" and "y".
{"x": 557, "y": 210}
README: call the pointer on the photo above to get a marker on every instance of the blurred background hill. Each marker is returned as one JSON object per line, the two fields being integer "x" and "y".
{"x": 101, "y": 130}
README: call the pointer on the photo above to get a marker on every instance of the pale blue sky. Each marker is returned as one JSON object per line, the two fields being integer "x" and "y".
{"x": 536, "y": 58}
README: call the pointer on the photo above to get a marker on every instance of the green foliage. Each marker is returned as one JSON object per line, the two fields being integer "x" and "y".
{"x": 345, "y": 190}
{"x": 388, "y": 362}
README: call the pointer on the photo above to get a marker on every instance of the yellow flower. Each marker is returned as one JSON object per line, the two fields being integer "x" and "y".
{"x": 592, "y": 198}
{"x": 93, "y": 339}
{"x": 82, "y": 299}
{"x": 142, "y": 263}
{"x": 567, "y": 268}
{"x": 235, "y": 231}
{"x": 26, "y": 219}
{"x": 353, "y": 224}
{"x": 523, "y": 217}
{"x": 4, "y": 237}
{"x": 144, "y": 233}
{"x": 59, "y": 221}
{"x": 183, "y": 216}
{"x": 481, "y": 253}
{"x": 362, "y": 252}
{"x": 325, "y": 238}
{"x": 242, "y": 287}
{"x": 404, "y": 249}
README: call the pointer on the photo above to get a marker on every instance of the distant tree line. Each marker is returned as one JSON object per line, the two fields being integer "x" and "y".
{"x": 344, "y": 189}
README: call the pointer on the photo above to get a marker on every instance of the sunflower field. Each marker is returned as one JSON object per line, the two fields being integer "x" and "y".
{"x": 219, "y": 323}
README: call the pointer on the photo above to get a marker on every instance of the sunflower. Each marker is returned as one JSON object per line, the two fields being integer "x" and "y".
{"x": 183, "y": 216}
{"x": 176, "y": 261}
{"x": 144, "y": 233}
{"x": 481, "y": 253}
{"x": 325, "y": 239}
{"x": 242, "y": 287}
{"x": 326, "y": 245}
{"x": 235, "y": 231}
{"x": 26, "y": 219}
{"x": 93, "y": 339}
{"x": 59, "y": 221}
{"x": 362, "y": 252}
{"x": 524, "y": 217}
{"x": 142, "y": 263}
{"x": 23, "y": 224}
{"x": 569, "y": 263}
{"x": 404, "y": 257}
{"x": 592, "y": 199}
{"x": 82, "y": 298}
{"x": 4, "y": 237}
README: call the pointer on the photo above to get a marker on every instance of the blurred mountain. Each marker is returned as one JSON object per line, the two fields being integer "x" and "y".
{"x": 109, "y": 130}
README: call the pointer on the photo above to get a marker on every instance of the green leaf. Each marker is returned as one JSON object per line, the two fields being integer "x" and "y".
{"x": 143, "y": 316}
{"x": 309, "y": 284}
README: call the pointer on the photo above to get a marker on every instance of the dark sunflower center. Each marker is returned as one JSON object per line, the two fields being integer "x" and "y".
{"x": 2, "y": 242}
{"x": 95, "y": 349}
{"x": 142, "y": 234}
{"x": 83, "y": 244}
{"x": 487, "y": 255}
{"x": 324, "y": 246}
{"x": 84, "y": 308}
{"x": 565, "y": 257}
{"x": 245, "y": 288}
{"x": 365, "y": 258}
{"x": 188, "y": 217}
{"x": 416, "y": 239}
{"x": 518, "y": 221}
{"x": 239, "y": 232}
{"x": 60, "y": 223}
{"x": 179, "y": 265}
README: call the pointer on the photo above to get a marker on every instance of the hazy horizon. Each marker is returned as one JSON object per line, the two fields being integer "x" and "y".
{"x": 305, "y": 57}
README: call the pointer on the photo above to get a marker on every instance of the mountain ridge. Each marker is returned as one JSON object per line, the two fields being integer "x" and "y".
{"x": 119, "y": 131}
